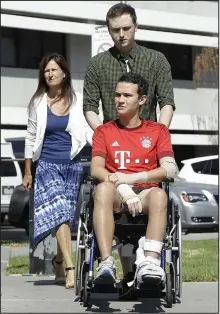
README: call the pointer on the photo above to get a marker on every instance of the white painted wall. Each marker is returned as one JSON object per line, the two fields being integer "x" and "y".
{"x": 200, "y": 8}
{"x": 93, "y": 10}
{"x": 17, "y": 86}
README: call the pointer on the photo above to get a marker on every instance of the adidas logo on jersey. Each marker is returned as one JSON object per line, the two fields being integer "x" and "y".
{"x": 115, "y": 144}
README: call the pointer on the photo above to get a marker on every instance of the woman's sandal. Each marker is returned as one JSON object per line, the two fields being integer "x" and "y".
{"x": 69, "y": 286}
{"x": 58, "y": 280}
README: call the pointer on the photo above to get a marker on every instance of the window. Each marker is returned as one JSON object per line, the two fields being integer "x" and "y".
{"x": 214, "y": 167}
{"x": 179, "y": 57}
{"x": 24, "y": 48}
{"x": 8, "y": 50}
{"x": 210, "y": 167}
{"x": 29, "y": 52}
{"x": 201, "y": 167}
{"x": 8, "y": 169}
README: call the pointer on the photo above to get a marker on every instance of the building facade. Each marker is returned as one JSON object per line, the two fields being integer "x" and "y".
{"x": 185, "y": 31}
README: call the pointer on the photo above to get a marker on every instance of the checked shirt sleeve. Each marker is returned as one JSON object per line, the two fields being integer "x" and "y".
{"x": 164, "y": 82}
{"x": 91, "y": 88}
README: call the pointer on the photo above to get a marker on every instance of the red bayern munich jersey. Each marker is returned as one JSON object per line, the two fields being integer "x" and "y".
{"x": 133, "y": 150}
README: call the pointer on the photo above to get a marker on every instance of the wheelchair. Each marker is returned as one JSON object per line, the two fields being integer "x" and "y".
{"x": 128, "y": 230}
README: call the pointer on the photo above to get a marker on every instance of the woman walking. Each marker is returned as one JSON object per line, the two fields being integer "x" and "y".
{"x": 56, "y": 133}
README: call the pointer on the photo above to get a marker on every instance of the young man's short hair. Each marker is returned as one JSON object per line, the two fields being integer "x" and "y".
{"x": 137, "y": 79}
{"x": 118, "y": 10}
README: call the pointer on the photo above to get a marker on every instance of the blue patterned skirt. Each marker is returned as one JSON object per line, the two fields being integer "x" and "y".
{"x": 56, "y": 192}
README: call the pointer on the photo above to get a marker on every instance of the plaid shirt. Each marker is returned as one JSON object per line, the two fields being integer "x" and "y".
{"x": 105, "y": 69}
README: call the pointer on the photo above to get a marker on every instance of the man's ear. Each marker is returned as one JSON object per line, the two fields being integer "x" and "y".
{"x": 142, "y": 100}
{"x": 136, "y": 26}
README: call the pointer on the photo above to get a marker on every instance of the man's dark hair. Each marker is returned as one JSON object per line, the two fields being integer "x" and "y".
{"x": 137, "y": 79}
{"x": 118, "y": 10}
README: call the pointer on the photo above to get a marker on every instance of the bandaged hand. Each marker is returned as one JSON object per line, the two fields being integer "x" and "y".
{"x": 132, "y": 200}
{"x": 139, "y": 177}
{"x": 134, "y": 206}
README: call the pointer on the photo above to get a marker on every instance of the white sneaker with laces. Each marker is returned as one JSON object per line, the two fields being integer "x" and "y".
{"x": 149, "y": 271}
{"x": 106, "y": 272}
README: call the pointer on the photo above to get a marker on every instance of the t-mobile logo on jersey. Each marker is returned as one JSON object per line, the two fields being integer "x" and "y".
{"x": 123, "y": 157}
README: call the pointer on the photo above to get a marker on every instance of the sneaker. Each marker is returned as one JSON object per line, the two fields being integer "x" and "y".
{"x": 106, "y": 272}
{"x": 149, "y": 271}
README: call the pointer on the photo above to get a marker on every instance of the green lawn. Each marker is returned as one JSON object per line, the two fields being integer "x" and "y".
{"x": 199, "y": 261}
{"x": 14, "y": 243}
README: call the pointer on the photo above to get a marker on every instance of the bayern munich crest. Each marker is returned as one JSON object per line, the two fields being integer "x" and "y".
{"x": 146, "y": 142}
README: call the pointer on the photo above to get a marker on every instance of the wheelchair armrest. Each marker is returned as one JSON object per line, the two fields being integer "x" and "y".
{"x": 90, "y": 179}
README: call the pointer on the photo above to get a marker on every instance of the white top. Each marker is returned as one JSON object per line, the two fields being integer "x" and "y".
{"x": 37, "y": 120}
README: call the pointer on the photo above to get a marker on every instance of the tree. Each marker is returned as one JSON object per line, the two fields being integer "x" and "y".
{"x": 206, "y": 75}
{"x": 206, "y": 68}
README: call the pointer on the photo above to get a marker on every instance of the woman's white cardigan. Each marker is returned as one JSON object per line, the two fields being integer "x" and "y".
{"x": 77, "y": 127}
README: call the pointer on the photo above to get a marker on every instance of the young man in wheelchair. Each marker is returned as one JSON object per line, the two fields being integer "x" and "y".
{"x": 130, "y": 157}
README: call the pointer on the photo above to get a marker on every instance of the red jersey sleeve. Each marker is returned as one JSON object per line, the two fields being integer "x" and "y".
{"x": 164, "y": 146}
{"x": 98, "y": 144}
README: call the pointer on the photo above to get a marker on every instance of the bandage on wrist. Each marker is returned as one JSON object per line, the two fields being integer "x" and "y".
{"x": 126, "y": 192}
{"x": 140, "y": 177}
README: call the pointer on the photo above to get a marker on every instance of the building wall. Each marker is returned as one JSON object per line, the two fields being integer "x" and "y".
{"x": 78, "y": 55}
{"x": 189, "y": 100}
{"x": 204, "y": 8}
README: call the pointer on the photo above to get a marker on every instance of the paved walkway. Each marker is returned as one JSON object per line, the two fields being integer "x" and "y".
{"x": 29, "y": 294}
{"x": 38, "y": 294}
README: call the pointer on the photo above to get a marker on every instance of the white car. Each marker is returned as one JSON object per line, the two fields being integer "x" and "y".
{"x": 201, "y": 170}
{"x": 11, "y": 176}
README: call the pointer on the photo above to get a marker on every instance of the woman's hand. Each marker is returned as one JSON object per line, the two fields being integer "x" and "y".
{"x": 27, "y": 181}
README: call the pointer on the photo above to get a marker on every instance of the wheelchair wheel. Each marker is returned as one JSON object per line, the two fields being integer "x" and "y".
{"x": 85, "y": 292}
{"x": 177, "y": 255}
{"x": 169, "y": 290}
{"x": 179, "y": 260}
{"x": 80, "y": 255}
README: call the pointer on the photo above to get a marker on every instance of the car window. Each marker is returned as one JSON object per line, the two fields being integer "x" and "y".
{"x": 214, "y": 167}
{"x": 201, "y": 167}
{"x": 7, "y": 168}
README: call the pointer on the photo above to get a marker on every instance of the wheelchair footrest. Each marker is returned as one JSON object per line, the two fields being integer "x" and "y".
{"x": 152, "y": 284}
{"x": 151, "y": 281}
{"x": 153, "y": 293}
{"x": 103, "y": 288}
